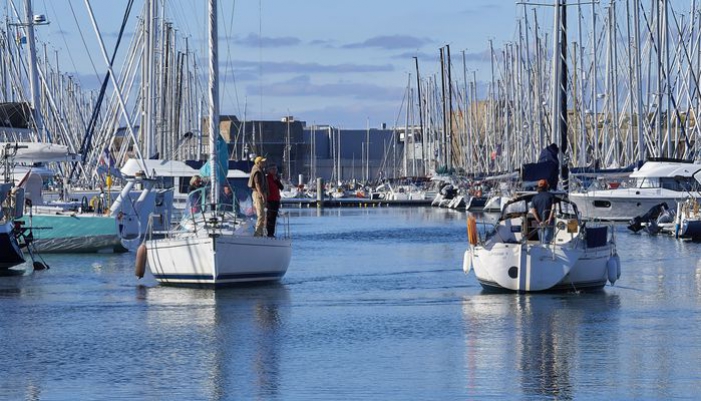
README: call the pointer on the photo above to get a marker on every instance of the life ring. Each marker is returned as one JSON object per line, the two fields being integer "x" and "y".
{"x": 472, "y": 230}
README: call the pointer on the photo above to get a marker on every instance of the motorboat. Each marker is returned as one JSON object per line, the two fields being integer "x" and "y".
{"x": 658, "y": 180}
{"x": 510, "y": 256}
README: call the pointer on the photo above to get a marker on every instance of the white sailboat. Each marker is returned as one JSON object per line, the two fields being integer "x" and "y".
{"x": 211, "y": 247}
{"x": 518, "y": 255}
{"x": 512, "y": 257}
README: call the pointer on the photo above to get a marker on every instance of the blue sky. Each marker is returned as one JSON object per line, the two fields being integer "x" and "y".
{"x": 326, "y": 62}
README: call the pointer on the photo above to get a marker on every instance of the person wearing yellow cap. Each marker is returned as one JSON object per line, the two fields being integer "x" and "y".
{"x": 259, "y": 185}
{"x": 543, "y": 209}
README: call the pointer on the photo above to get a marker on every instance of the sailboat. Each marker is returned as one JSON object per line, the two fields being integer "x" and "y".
{"x": 517, "y": 255}
{"x": 211, "y": 246}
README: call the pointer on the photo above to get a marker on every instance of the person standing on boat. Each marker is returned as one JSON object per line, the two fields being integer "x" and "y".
{"x": 550, "y": 157}
{"x": 227, "y": 199}
{"x": 259, "y": 184}
{"x": 543, "y": 209}
{"x": 274, "y": 188}
{"x": 195, "y": 194}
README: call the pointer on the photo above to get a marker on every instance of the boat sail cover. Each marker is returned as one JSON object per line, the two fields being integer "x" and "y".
{"x": 222, "y": 161}
{"x": 36, "y": 152}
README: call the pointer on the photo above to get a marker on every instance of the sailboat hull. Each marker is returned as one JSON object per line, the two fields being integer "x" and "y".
{"x": 9, "y": 249}
{"x": 80, "y": 233}
{"x": 533, "y": 268}
{"x": 219, "y": 260}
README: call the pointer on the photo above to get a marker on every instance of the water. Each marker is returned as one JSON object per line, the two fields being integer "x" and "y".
{"x": 374, "y": 306}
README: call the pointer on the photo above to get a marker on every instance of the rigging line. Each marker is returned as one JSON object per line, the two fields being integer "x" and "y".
{"x": 63, "y": 37}
{"x": 82, "y": 37}
{"x": 87, "y": 138}
{"x": 260, "y": 55}
{"x": 235, "y": 98}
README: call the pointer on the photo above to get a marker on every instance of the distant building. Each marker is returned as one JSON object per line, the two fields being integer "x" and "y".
{"x": 322, "y": 150}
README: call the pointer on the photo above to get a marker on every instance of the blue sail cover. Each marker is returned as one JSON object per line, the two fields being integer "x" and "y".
{"x": 222, "y": 161}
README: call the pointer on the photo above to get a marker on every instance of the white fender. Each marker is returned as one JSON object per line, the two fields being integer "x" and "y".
{"x": 612, "y": 268}
{"x": 618, "y": 265}
{"x": 467, "y": 262}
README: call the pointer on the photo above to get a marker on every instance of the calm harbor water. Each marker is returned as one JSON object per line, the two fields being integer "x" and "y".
{"x": 374, "y": 306}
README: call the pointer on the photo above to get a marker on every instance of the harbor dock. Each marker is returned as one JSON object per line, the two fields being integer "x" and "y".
{"x": 352, "y": 202}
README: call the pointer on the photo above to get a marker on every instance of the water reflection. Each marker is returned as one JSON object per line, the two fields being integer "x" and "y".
{"x": 537, "y": 343}
{"x": 233, "y": 336}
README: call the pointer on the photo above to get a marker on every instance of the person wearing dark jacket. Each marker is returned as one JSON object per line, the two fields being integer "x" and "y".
{"x": 274, "y": 188}
{"x": 550, "y": 155}
{"x": 195, "y": 194}
{"x": 543, "y": 211}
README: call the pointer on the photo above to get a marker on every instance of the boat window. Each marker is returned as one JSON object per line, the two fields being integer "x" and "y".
{"x": 602, "y": 203}
{"x": 681, "y": 184}
{"x": 184, "y": 184}
{"x": 648, "y": 182}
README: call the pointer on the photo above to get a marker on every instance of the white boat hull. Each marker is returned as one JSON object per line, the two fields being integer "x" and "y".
{"x": 218, "y": 261}
{"x": 621, "y": 204}
{"x": 536, "y": 267}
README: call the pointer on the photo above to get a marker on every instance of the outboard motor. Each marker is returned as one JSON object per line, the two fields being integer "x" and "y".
{"x": 649, "y": 220}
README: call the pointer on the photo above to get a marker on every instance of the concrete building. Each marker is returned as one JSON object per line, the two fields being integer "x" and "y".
{"x": 322, "y": 150}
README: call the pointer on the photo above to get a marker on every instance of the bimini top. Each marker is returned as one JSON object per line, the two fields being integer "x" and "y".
{"x": 666, "y": 168}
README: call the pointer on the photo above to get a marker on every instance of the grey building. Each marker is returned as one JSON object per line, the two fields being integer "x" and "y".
{"x": 307, "y": 152}
{"x": 347, "y": 154}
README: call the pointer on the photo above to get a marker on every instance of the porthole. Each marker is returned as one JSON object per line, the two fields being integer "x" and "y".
{"x": 602, "y": 203}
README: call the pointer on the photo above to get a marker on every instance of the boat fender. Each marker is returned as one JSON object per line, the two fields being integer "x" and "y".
{"x": 618, "y": 265}
{"x": 140, "y": 268}
{"x": 612, "y": 269}
{"x": 84, "y": 204}
{"x": 467, "y": 262}
{"x": 472, "y": 230}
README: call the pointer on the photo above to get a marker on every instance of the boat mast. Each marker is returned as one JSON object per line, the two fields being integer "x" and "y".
{"x": 421, "y": 116}
{"x": 564, "y": 170}
{"x": 213, "y": 102}
{"x": 33, "y": 74}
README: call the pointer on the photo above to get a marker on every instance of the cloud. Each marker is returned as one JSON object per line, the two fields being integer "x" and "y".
{"x": 254, "y": 40}
{"x": 293, "y": 67}
{"x": 304, "y": 87}
{"x": 390, "y": 42}
{"x": 322, "y": 42}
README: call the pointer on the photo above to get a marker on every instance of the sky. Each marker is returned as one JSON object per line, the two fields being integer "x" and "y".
{"x": 343, "y": 63}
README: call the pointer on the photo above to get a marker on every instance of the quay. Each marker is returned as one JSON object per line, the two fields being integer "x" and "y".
{"x": 352, "y": 202}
